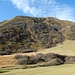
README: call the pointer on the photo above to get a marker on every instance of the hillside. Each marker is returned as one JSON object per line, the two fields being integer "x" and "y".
{"x": 65, "y": 48}
{"x": 29, "y": 34}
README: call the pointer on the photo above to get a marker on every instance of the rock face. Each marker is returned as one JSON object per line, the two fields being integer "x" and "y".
{"x": 48, "y": 59}
{"x": 28, "y": 33}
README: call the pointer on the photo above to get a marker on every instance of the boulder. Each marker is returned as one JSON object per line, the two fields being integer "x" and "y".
{"x": 69, "y": 59}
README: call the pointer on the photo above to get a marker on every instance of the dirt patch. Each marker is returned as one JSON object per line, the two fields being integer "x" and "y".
{"x": 9, "y": 59}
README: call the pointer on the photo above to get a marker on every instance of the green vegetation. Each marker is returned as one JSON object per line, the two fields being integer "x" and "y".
{"x": 68, "y": 69}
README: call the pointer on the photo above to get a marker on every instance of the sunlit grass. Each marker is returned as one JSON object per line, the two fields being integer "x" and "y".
{"x": 68, "y": 69}
{"x": 66, "y": 48}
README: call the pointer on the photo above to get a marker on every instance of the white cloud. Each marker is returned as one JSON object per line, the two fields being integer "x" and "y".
{"x": 44, "y": 8}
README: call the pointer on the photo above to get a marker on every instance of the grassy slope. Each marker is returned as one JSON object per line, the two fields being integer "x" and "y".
{"x": 67, "y": 48}
{"x": 68, "y": 69}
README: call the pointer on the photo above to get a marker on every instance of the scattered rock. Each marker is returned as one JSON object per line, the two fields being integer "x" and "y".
{"x": 69, "y": 59}
{"x": 48, "y": 59}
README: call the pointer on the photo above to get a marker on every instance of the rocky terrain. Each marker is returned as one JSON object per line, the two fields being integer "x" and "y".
{"x": 29, "y": 34}
{"x": 48, "y": 59}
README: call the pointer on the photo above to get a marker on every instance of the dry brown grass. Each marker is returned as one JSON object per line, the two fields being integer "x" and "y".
{"x": 7, "y": 60}
{"x": 10, "y": 60}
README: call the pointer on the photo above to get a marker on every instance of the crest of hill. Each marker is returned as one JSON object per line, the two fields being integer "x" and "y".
{"x": 48, "y": 20}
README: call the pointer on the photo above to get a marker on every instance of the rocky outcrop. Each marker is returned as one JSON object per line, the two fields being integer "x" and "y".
{"x": 29, "y": 33}
{"x": 49, "y": 59}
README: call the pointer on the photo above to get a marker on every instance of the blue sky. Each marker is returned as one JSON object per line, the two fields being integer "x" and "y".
{"x": 61, "y": 9}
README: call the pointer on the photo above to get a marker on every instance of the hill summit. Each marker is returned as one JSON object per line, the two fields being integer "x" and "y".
{"x": 28, "y": 34}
